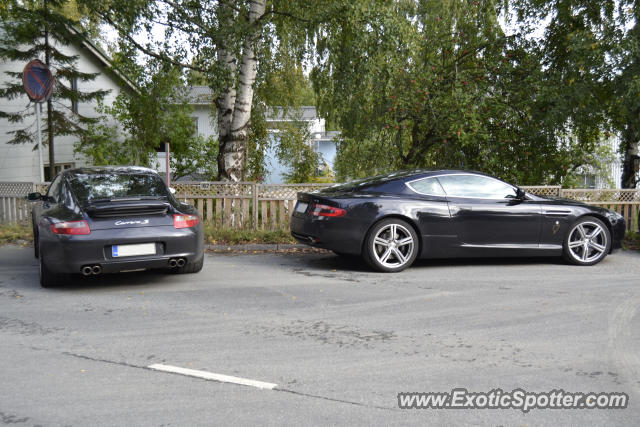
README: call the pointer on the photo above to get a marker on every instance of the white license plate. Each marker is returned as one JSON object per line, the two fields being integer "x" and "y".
{"x": 133, "y": 250}
{"x": 301, "y": 207}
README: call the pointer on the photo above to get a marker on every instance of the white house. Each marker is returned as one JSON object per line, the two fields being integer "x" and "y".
{"x": 21, "y": 162}
{"x": 204, "y": 115}
{"x": 200, "y": 99}
{"x": 322, "y": 142}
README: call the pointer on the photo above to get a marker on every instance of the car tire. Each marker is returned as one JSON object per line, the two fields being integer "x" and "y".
{"x": 587, "y": 243}
{"x": 190, "y": 267}
{"x": 47, "y": 278}
{"x": 36, "y": 247}
{"x": 391, "y": 245}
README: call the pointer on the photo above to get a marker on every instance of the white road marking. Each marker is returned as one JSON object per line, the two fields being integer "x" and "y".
{"x": 212, "y": 376}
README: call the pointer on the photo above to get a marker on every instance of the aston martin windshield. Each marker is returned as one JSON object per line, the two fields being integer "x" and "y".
{"x": 104, "y": 187}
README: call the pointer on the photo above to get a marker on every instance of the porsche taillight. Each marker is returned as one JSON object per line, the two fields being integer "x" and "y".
{"x": 318, "y": 209}
{"x": 185, "y": 221}
{"x": 71, "y": 227}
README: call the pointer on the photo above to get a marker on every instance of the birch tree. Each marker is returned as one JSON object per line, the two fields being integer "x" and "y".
{"x": 227, "y": 42}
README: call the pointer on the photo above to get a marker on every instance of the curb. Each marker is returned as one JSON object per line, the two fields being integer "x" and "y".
{"x": 257, "y": 247}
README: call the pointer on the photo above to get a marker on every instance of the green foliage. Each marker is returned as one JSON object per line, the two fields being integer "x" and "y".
{"x": 437, "y": 84}
{"x": 294, "y": 150}
{"x": 102, "y": 144}
{"x": 196, "y": 159}
{"x": 160, "y": 112}
{"x": 599, "y": 162}
{"x": 230, "y": 236}
{"x": 416, "y": 83}
{"x": 198, "y": 34}
{"x": 256, "y": 168}
{"x": 594, "y": 46}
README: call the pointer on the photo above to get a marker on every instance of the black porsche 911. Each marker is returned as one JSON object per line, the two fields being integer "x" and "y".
{"x": 113, "y": 219}
{"x": 393, "y": 219}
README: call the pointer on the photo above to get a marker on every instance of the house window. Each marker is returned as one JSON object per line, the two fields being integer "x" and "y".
{"x": 59, "y": 168}
{"x": 588, "y": 180}
{"x": 195, "y": 125}
{"x": 74, "y": 88}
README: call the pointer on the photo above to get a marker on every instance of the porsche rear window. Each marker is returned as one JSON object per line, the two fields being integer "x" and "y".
{"x": 93, "y": 187}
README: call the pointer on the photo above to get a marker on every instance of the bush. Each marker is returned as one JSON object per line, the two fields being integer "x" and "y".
{"x": 229, "y": 236}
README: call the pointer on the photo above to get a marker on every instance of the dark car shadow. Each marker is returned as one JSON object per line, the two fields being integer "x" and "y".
{"x": 25, "y": 276}
{"x": 493, "y": 261}
{"x": 147, "y": 278}
{"x": 357, "y": 264}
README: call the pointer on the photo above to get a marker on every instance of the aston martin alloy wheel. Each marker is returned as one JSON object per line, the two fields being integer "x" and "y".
{"x": 391, "y": 245}
{"x": 588, "y": 242}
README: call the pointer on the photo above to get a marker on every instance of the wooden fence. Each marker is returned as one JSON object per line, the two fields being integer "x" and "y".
{"x": 269, "y": 207}
{"x": 13, "y": 204}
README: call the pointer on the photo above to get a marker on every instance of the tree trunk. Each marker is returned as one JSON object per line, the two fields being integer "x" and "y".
{"x": 224, "y": 108}
{"x": 233, "y": 135}
{"x": 630, "y": 157}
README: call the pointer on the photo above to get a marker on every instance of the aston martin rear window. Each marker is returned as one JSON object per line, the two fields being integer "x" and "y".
{"x": 97, "y": 187}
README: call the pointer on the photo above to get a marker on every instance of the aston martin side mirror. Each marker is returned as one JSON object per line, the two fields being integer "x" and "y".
{"x": 34, "y": 196}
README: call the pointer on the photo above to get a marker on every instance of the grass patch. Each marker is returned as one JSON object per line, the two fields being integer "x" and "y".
{"x": 228, "y": 236}
{"x": 11, "y": 233}
{"x": 631, "y": 241}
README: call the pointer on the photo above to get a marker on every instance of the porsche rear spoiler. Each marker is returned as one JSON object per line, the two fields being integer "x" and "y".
{"x": 121, "y": 208}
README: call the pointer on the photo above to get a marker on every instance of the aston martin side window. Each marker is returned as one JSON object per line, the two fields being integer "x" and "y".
{"x": 427, "y": 186}
{"x": 476, "y": 186}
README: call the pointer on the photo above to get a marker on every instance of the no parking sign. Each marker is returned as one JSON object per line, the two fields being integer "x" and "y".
{"x": 37, "y": 80}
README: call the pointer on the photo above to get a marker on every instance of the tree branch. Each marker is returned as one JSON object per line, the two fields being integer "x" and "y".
{"x": 148, "y": 51}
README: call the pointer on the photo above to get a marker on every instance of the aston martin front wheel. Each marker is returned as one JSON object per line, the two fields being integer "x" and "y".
{"x": 391, "y": 245}
{"x": 588, "y": 242}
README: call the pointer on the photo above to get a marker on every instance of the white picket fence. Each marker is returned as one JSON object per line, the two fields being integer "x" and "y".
{"x": 269, "y": 207}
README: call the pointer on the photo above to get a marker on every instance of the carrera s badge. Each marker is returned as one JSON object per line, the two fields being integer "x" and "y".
{"x": 141, "y": 222}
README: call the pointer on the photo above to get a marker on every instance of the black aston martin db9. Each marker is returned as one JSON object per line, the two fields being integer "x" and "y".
{"x": 112, "y": 219}
{"x": 391, "y": 220}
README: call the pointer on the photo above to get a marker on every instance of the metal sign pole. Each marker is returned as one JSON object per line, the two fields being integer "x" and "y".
{"x": 37, "y": 106}
{"x": 38, "y": 83}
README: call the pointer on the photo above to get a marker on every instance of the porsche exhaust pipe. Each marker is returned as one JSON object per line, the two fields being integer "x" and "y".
{"x": 173, "y": 263}
{"x": 88, "y": 270}
{"x": 181, "y": 262}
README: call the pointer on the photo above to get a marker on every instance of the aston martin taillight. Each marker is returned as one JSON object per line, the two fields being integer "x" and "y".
{"x": 185, "y": 221}
{"x": 325, "y": 210}
{"x": 71, "y": 227}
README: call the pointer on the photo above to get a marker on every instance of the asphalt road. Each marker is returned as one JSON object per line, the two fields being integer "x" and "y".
{"x": 339, "y": 341}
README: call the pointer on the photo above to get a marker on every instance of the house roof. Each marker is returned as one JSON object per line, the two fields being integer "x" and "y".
{"x": 200, "y": 95}
{"x": 203, "y": 95}
{"x": 278, "y": 114}
{"x": 104, "y": 59}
